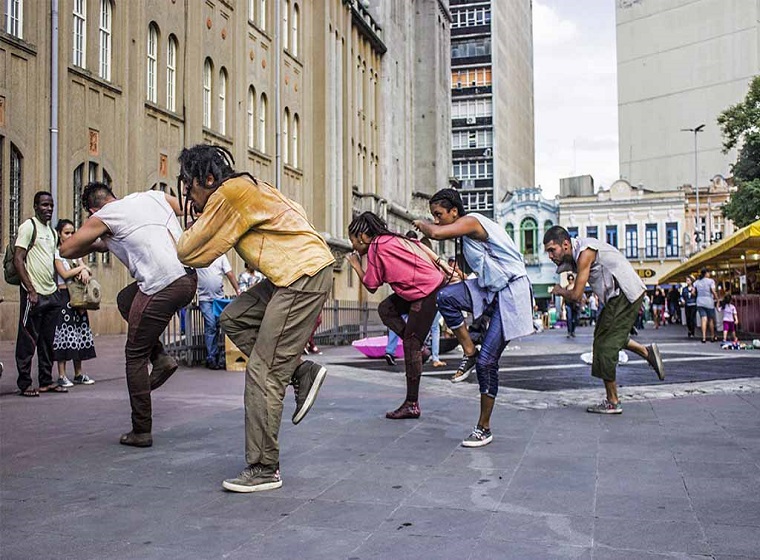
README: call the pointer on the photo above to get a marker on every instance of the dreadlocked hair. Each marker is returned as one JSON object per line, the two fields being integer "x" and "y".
{"x": 370, "y": 224}
{"x": 449, "y": 198}
{"x": 200, "y": 162}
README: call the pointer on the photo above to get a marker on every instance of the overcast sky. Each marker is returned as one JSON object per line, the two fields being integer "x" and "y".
{"x": 575, "y": 91}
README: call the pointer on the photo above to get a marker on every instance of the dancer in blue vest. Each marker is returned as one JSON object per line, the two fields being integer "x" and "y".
{"x": 501, "y": 290}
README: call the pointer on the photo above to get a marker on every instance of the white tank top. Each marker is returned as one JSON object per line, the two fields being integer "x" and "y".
{"x": 144, "y": 237}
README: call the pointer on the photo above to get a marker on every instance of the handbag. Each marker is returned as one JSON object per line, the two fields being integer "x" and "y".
{"x": 84, "y": 296}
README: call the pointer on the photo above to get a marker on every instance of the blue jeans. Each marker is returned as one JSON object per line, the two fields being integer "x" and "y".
{"x": 452, "y": 301}
{"x": 435, "y": 335}
{"x": 210, "y": 331}
{"x": 393, "y": 338}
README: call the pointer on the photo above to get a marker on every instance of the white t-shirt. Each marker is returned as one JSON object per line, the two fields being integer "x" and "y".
{"x": 144, "y": 233}
{"x": 66, "y": 266}
{"x": 211, "y": 279}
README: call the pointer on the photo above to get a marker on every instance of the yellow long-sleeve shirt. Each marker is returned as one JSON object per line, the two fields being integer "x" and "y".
{"x": 268, "y": 230}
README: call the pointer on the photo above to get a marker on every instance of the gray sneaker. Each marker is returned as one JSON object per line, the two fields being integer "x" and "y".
{"x": 606, "y": 407}
{"x": 255, "y": 478}
{"x": 654, "y": 359}
{"x": 306, "y": 380}
{"x": 479, "y": 437}
{"x": 64, "y": 382}
{"x": 83, "y": 379}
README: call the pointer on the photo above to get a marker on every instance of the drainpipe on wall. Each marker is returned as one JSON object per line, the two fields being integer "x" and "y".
{"x": 277, "y": 115}
{"x": 54, "y": 109}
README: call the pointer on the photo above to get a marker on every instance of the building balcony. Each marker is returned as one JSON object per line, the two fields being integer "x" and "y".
{"x": 465, "y": 90}
{"x": 671, "y": 252}
{"x": 472, "y": 153}
{"x": 471, "y": 30}
{"x": 471, "y": 121}
{"x": 480, "y": 59}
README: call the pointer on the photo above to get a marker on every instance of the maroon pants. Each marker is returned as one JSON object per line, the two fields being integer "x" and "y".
{"x": 412, "y": 332}
{"x": 147, "y": 317}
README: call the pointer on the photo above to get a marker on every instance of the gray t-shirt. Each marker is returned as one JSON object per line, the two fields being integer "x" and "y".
{"x": 211, "y": 279}
{"x": 705, "y": 287}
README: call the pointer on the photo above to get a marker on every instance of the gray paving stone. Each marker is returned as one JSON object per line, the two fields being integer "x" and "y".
{"x": 736, "y": 540}
{"x": 491, "y": 549}
{"x": 549, "y": 501}
{"x": 527, "y": 479}
{"x": 745, "y": 489}
{"x": 460, "y": 492}
{"x": 436, "y": 522}
{"x": 563, "y": 463}
{"x": 707, "y": 469}
{"x": 604, "y": 553}
{"x": 287, "y": 543}
{"x": 537, "y": 527}
{"x": 651, "y": 536}
{"x": 340, "y": 515}
{"x": 647, "y": 507}
{"x": 728, "y": 512}
{"x": 411, "y": 547}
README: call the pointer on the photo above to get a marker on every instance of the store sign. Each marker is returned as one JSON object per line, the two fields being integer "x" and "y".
{"x": 645, "y": 272}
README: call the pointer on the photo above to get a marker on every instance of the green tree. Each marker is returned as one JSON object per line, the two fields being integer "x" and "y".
{"x": 740, "y": 126}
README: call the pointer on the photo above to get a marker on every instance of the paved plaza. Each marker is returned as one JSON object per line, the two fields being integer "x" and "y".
{"x": 676, "y": 476}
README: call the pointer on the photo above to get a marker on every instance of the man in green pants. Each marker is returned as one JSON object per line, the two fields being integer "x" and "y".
{"x": 619, "y": 288}
{"x": 271, "y": 322}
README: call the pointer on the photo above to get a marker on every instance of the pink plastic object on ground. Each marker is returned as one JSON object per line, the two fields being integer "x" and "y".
{"x": 374, "y": 347}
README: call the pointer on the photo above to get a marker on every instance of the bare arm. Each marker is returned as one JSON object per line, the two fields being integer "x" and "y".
{"x": 85, "y": 239}
{"x": 464, "y": 226}
{"x": 233, "y": 281}
{"x": 68, "y": 274}
{"x": 355, "y": 261}
{"x": 174, "y": 203}
{"x": 19, "y": 261}
{"x": 575, "y": 295}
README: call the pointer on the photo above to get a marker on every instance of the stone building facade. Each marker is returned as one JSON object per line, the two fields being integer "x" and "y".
{"x": 297, "y": 90}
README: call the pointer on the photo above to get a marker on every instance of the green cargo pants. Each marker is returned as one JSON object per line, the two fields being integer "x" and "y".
{"x": 271, "y": 325}
{"x": 611, "y": 334}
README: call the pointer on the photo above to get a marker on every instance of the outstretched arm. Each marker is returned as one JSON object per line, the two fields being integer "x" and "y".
{"x": 464, "y": 226}
{"x": 85, "y": 240}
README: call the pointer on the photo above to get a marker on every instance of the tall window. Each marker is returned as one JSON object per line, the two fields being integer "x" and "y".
{"x": 294, "y": 135}
{"x": 252, "y": 10}
{"x": 80, "y": 33}
{"x": 528, "y": 230}
{"x": 510, "y": 229}
{"x": 104, "y": 34}
{"x": 671, "y": 239}
{"x": 294, "y": 42}
{"x": 572, "y": 232}
{"x": 632, "y": 241}
{"x": 548, "y": 225}
{"x": 152, "y": 62}
{"x": 223, "y": 101}
{"x": 77, "y": 182}
{"x": 651, "y": 240}
{"x": 207, "y": 93}
{"x": 251, "y": 117}
{"x": 285, "y": 140}
{"x": 263, "y": 123}
{"x": 14, "y": 18}
{"x": 263, "y": 14}
{"x": 592, "y": 231}
{"x": 16, "y": 189}
{"x": 285, "y": 25}
{"x": 171, "y": 74}
{"x": 611, "y": 235}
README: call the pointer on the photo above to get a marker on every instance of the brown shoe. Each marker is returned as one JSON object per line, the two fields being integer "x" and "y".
{"x": 406, "y": 410}
{"x": 136, "y": 440}
{"x": 163, "y": 368}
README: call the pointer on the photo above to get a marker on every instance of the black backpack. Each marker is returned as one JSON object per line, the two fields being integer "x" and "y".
{"x": 9, "y": 268}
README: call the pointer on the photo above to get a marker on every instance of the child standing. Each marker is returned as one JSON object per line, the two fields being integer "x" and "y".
{"x": 730, "y": 319}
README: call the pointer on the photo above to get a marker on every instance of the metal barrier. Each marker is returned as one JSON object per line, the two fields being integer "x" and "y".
{"x": 342, "y": 323}
{"x": 748, "y": 308}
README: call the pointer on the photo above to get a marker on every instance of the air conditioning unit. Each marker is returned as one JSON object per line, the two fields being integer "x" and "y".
{"x": 487, "y": 152}
{"x": 470, "y": 120}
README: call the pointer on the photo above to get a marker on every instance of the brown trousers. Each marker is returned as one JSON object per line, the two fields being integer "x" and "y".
{"x": 147, "y": 317}
{"x": 271, "y": 326}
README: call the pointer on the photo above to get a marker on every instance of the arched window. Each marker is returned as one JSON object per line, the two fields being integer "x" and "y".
{"x": 251, "y": 117}
{"x": 171, "y": 74}
{"x": 79, "y": 31}
{"x": 151, "y": 92}
{"x": 529, "y": 233}
{"x": 207, "y": 69}
{"x": 16, "y": 189}
{"x": 223, "y": 101}
{"x": 104, "y": 35}
{"x": 14, "y": 18}
{"x": 263, "y": 123}
{"x": 294, "y": 40}
{"x": 285, "y": 140}
{"x": 547, "y": 225}
{"x": 294, "y": 135}
{"x": 285, "y": 25}
{"x": 77, "y": 183}
{"x": 510, "y": 229}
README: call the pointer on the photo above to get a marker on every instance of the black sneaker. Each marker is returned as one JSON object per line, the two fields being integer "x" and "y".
{"x": 654, "y": 359}
{"x": 163, "y": 368}
{"x": 389, "y": 359}
{"x": 478, "y": 438}
{"x": 306, "y": 380}
{"x": 255, "y": 478}
{"x": 465, "y": 367}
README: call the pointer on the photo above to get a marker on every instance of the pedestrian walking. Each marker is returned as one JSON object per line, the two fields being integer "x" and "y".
{"x": 272, "y": 321}
{"x": 572, "y": 309}
{"x": 593, "y": 306}
{"x": 674, "y": 305}
{"x": 141, "y": 230}
{"x": 658, "y": 307}
{"x": 620, "y": 289}
{"x": 706, "y": 298}
{"x": 415, "y": 275}
{"x": 730, "y": 319}
{"x": 689, "y": 301}
{"x": 39, "y": 300}
{"x": 211, "y": 287}
{"x": 500, "y": 290}
{"x": 73, "y": 340}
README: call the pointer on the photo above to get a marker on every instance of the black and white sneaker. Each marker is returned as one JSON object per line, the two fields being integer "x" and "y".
{"x": 306, "y": 380}
{"x": 478, "y": 438}
{"x": 654, "y": 359}
{"x": 466, "y": 364}
{"x": 255, "y": 478}
{"x": 389, "y": 359}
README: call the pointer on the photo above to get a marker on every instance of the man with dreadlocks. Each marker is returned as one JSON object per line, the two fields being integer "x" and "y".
{"x": 141, "y": 230}
{"x": 501, "y": 290}
{"x": 413, "y": 272}
{"x": 271, "y": 322}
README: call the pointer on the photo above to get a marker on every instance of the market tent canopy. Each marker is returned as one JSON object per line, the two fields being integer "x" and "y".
{"x": 743, "y": 247}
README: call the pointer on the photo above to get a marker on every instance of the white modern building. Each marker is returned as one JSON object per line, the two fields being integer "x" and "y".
{"x": 680, "y": 64}
{"x": 526, "y": 215}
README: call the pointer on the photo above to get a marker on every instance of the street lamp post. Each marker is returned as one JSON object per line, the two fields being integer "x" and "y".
{"x": 698, "y": 225}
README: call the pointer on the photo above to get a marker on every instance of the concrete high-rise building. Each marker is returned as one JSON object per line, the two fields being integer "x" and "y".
{"x": 492, "y": 99}
{"x": 311, "y": 96}
{"x": 680, "y": 64}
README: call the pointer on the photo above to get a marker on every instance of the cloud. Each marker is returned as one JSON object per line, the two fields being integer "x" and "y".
{"x": 549, "y": 29}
